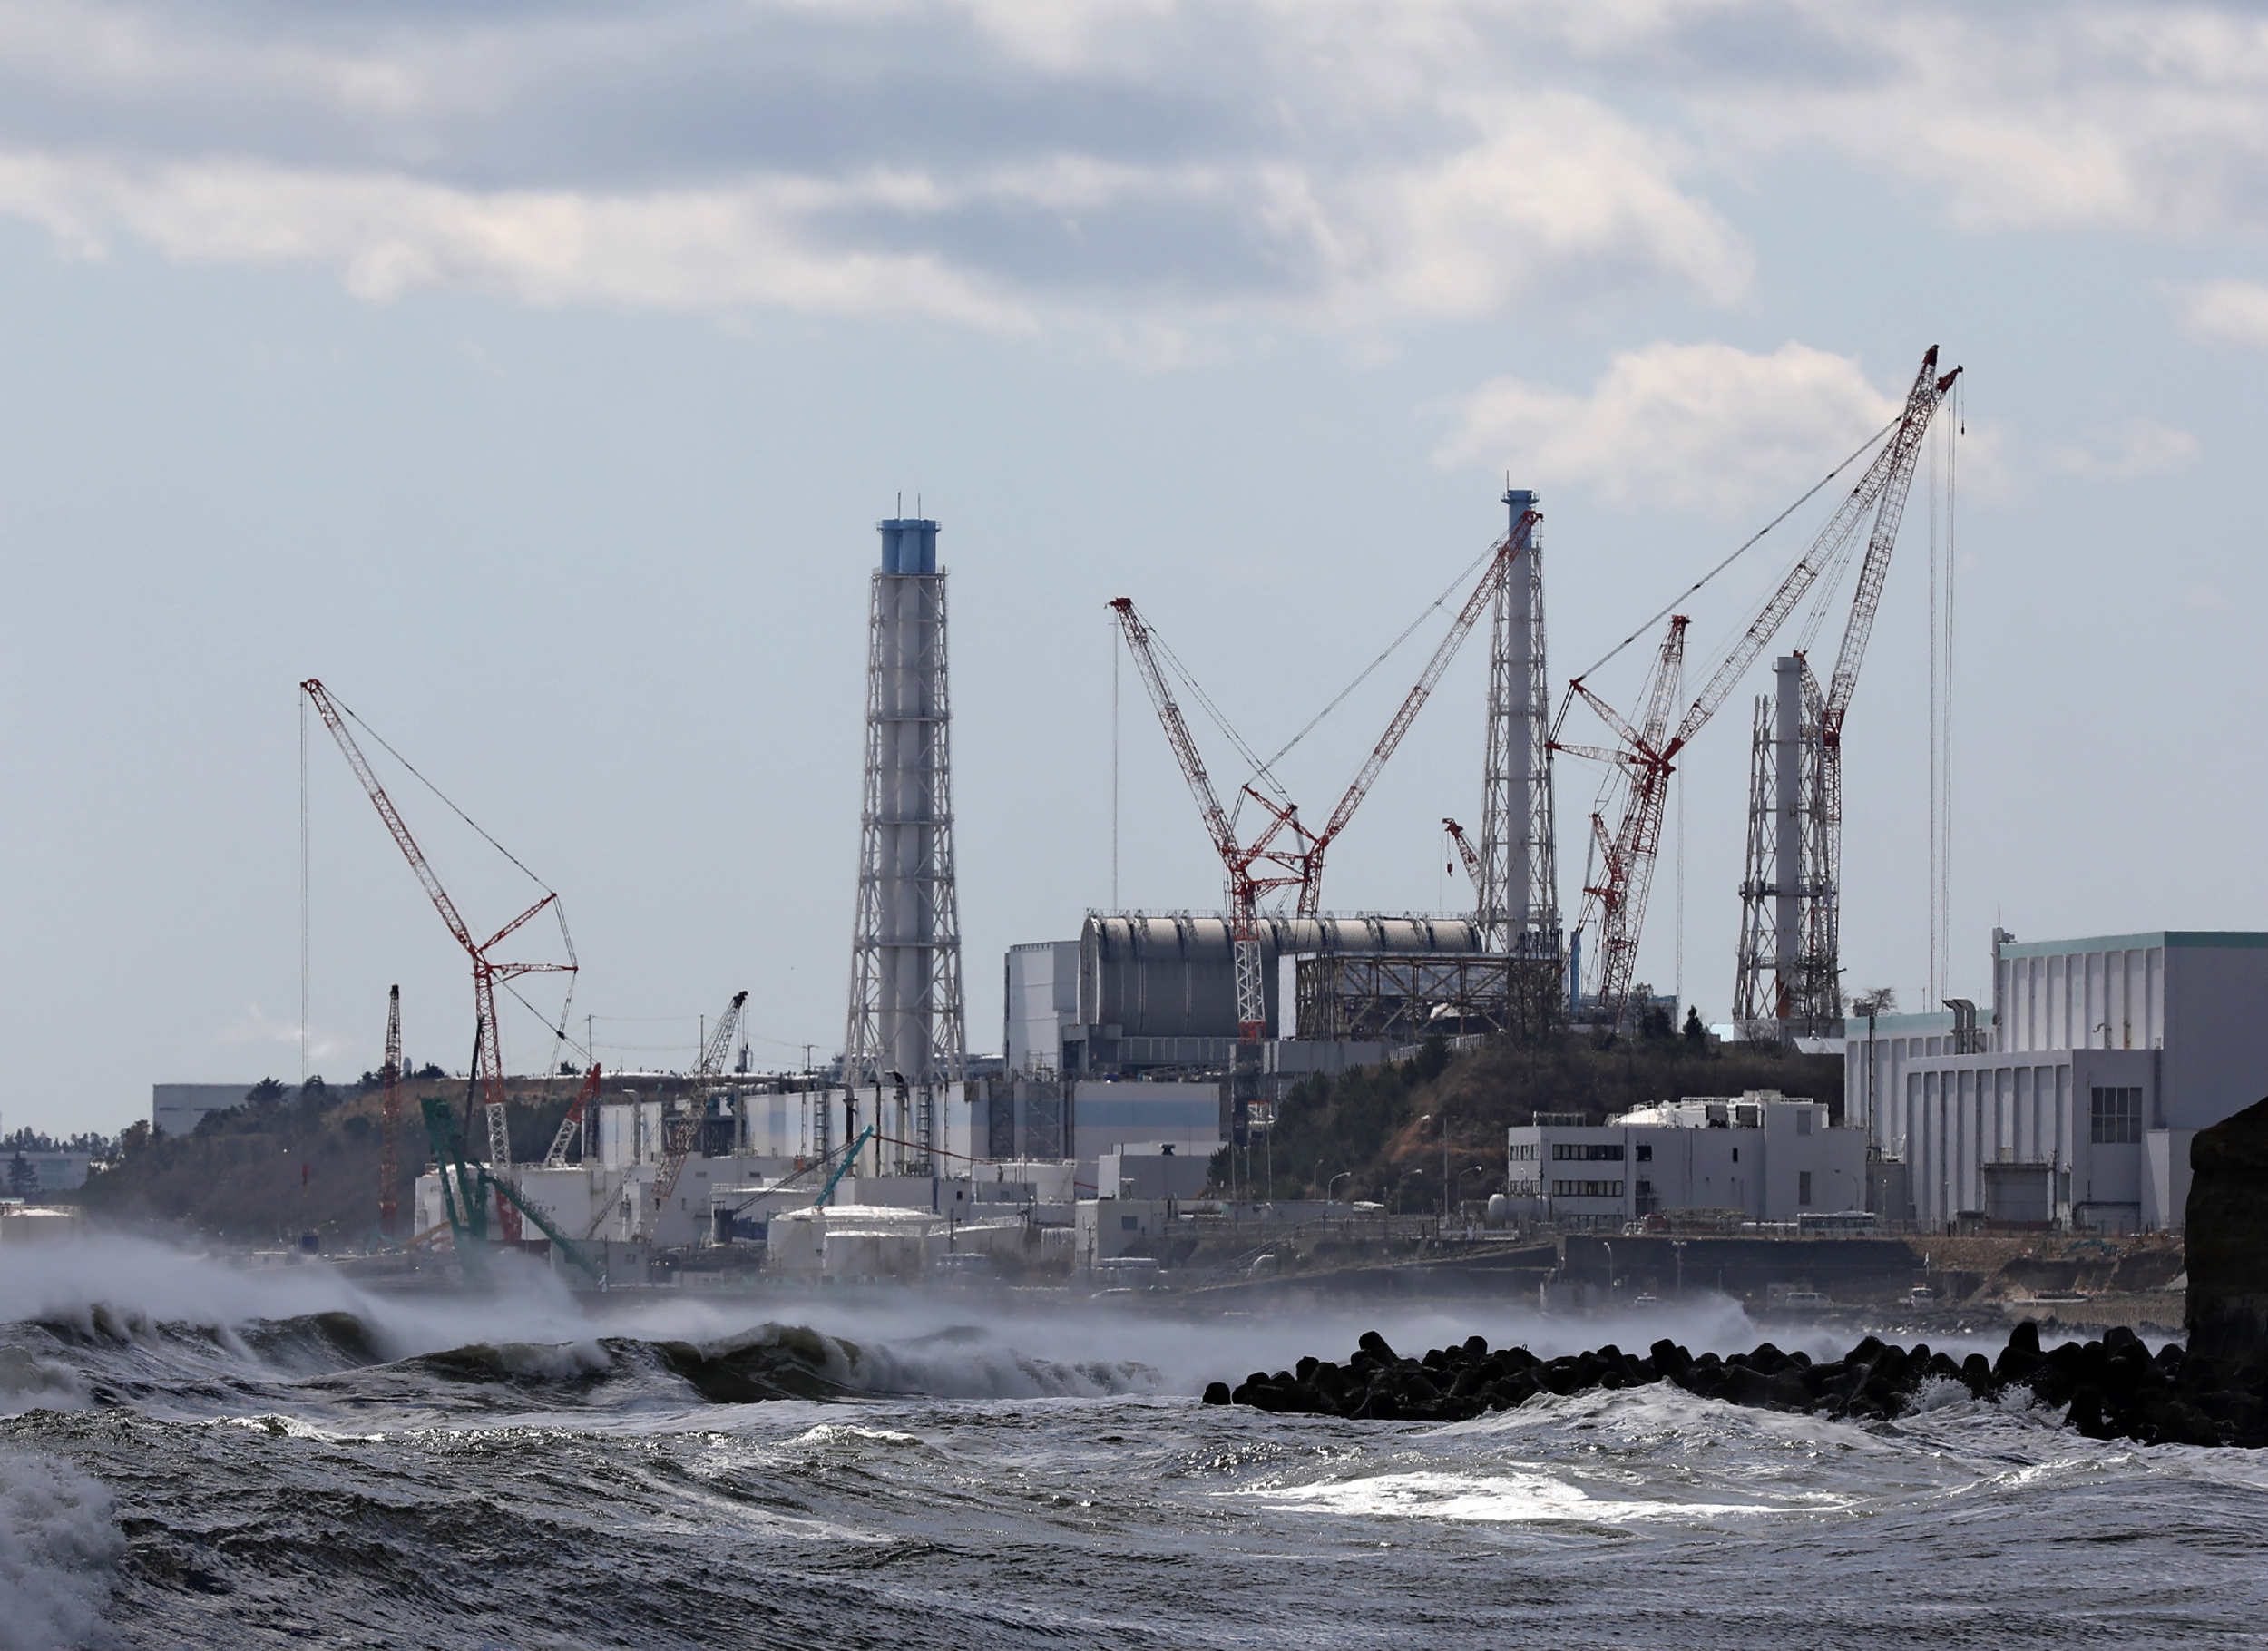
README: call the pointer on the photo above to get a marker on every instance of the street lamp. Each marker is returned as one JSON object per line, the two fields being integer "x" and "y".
{"x": 1341, "y": 1176}
{"x": 1446, "y": 1180}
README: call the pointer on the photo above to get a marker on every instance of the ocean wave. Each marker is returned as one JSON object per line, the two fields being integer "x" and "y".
{"x": 59, "y": 1546}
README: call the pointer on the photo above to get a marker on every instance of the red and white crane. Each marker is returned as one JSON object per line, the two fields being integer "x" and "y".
{"x": 488, "y": 1072}
{"x": 1648, "y": 755}
{"x": 1285, "y": 855}
{"x": 1466, "y": 851}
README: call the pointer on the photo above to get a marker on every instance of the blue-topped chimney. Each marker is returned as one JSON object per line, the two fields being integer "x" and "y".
{"x": 909, "y": 545}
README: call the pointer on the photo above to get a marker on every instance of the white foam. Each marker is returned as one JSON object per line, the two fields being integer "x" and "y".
{"x": 58, "y": 1546}
{"x": 1508, "y": 1497}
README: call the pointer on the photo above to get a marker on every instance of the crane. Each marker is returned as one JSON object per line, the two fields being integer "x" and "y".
{"x": 390, "y": 1116}
{"x": 1466, "y": 851}
{"x": 683, "y": 1132}
{"x": 1626, "y": 859}
{"x": 1254, "y": 870}
{"x": 556, "y": 1159}
{"x": 1286, "y": 854}
{"x": 487, "y": 1077}
{"x": 1648, "y": 755}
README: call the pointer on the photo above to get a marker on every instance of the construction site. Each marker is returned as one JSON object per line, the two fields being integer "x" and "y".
{"x": 1125, "y": 1134}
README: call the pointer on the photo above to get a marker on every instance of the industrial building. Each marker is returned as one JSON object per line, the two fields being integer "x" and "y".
{"x": 33, "y": 1172}
{"x": 2076, "y": 1101}
{"x": 1027, "y": 1119}
{"x": 1139, "y": 992}
{"x": 1757, "y": 1157}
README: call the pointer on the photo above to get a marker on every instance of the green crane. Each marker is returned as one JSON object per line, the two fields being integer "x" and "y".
{"x": 465, "y": 1188}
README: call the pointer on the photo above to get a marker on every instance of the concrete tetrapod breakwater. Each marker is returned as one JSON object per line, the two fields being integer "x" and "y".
{"x": 2115, "y": 1388}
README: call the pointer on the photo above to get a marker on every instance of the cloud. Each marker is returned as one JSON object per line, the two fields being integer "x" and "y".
{"x": 2140, "y": 448}
{"x": 2024, "y": 115}
{"x": 389, "y": 235}
{"x": 1687, "y": 427}
{"x": 997, "y": 164}
{"x": 1156, "y": 167}
{"x": 2233, "y": 311}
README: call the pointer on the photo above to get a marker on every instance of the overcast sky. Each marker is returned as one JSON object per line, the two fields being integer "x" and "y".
{"x": 535, "y": 375}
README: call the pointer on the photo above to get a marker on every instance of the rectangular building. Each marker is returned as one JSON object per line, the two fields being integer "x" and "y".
{"x": 1761, "y": 1156}
{"x": 2101, "y": 1060}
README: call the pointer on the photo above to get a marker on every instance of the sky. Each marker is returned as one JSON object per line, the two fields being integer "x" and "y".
{"x": 534, "y": 376}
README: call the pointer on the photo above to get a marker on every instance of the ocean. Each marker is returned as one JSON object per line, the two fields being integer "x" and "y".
{"x": 194, "y": 1455}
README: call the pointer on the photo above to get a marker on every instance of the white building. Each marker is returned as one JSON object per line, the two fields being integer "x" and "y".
{"x": 1761, "y": 1155}
{"x": 2075, "y": 1098}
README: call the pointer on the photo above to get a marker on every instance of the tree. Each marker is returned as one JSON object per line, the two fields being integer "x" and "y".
{"x": 23, "y": 1177}
{"x": 1696, "y": 1034}
{"x": 267, "y": 1092}
{"x": 1880, "y": 1000}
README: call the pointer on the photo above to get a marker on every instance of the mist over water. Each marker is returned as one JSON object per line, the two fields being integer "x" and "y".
{"x": 192, "y": 1454}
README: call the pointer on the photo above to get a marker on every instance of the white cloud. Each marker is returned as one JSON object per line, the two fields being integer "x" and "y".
{"x": 1141, "y": 165}
{"x": 388, "y": 235}
{"x": 2090, "y": 114}
{"x": 1150, "y": 167}
{"x": 2139, "y": 447}
{"x": 2234, "y": 311}
{"x": 1689, "y": 427}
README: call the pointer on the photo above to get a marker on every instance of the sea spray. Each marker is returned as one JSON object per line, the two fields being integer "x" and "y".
{"x": 59, "y": 1544}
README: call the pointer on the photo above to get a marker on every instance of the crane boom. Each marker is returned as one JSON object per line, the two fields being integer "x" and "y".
{"x": 1866, "y": 600}
{"x": 683, "y": 1132}
{"x": 1650, "y": 752}
{"x": 1178, "y": 736}
{"x": 328, "y": 711}
{"x": 1465, "y": 851}
{"x": 487, "y": 1076}
{"x": 1628, "y": 857}
{"x": 556, "y": 1159}
{"x": 1885, "y": 479}
{"x": 1244, "y": 889}
{"x": 1499, "y": 569}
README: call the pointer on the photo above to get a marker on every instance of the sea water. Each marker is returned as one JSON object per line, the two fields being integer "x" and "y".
{"x": 194, "y": 1455}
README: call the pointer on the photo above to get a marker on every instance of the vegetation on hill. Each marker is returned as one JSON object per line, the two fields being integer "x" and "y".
{"x": 276, "y": 1166}
{"x": 1365, "y": 1124}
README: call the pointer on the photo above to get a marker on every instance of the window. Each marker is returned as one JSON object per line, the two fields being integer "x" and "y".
{"x": 1646, "y": 1152}
{"x": 1646, "y": 1189}
{"x": 2118, "y": 1116}
{"x": 1587, "y": 1152}
{"x": 1129, "y": 1224}
{"x": 1735, "y": 1155}
{"x": 1803, "y": 1121}
{"x": 1587, "y": 1189}
{"x": 1804, "y": 1183}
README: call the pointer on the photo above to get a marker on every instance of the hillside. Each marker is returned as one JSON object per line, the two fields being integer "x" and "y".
{"x": 264, "y": 1174}
{"x": 1364, "y": 1123}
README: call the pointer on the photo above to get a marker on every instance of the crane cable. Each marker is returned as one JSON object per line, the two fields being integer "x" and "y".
{"x": 1364, "y": 675}
{"x": 1872, "y": 441}
{"x": 559, "y": 908}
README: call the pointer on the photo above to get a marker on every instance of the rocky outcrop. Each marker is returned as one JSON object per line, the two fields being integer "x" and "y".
{"x": 2227, "y": 1237}
{"x": 2113, "y": 1389}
